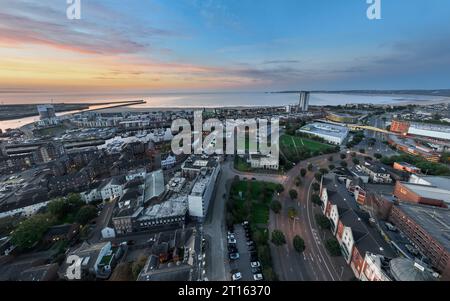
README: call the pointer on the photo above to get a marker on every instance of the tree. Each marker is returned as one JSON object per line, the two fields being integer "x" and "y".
{"x": 31, "y": 231}
{"x": 318, "y": 176}
{"x": 362, "y": 150}
{"x": 279, "y": 188}
{"x": 264, "y": 255}
{"x": 331, "y": 167}
{"x": 316, "y": 186}
{"x": 343, "y": 156}
{"x": 86, "y": 214}
{"x": 353, "y": 154}
{"x": 355, "y": 161}
{"x": 299, "y": 244}
{"x": 323, "y": 171}
{"x": 292, "y": 213}
{"x": 315, "y": 199}
{"x": 323, "y": 222}
{"x": 343, "y": 164}
{"x": 278, "y": 238}
{"x": 58, "y": 208}
{"x": 74, "y": 202}
{"x": 330, "y": 158}
{"x": 275, "y": 205}
{"x": 310, "y": 167}
{"x": 138, "y": 265}
{"x": 378, "y": 156}
{"x": 293, "y": 194}
{"x": 333, "y": 247}
{"x": 303, "y": 172}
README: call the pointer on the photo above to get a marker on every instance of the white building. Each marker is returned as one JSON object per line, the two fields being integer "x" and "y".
{"x": 108, "y": 233}
{"x": 21, "y": 209}
{"x": 374, "y": 268}
{"x": 168, "y": 162}
{"x": 258, "y": 161}
{"x": 112, "y": 189}
{"x": 332, "y": 133}
{"x": 202, "y": 192}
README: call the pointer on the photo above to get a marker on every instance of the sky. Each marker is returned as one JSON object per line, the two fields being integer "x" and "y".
{"x": 223, "y": 45}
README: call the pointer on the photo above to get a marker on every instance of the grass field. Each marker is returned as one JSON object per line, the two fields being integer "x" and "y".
{"x": 300, "y": 144}
{"x": 255, "y": 201}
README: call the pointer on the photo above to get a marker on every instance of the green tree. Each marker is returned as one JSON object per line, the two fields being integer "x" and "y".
{"x": 279, "y": 188}
{"x": 293, "y": 194}
{"x": 315, "y": 199}
{"x": 318, "y": 176}
{"x": 58, "y": 208}
{"x": 264, "y": 255}
{"x": 299, "y": 244}
{"x": 333, "y": 247}
{"x": 330, "y": 158}
{"x": 316, "y": 186}
{"x": 323, "y": 222}
{"x": 362, "y": 150}
{"x": 355, "y": 161}
{"x": 298, "y": 181}
{"x": 343, "y": 164}
{"x": 310, "y": 167}
{"x": 275, "y": 205}
{"x": 331, "y": 167}
{"x": 343, "y": 156}
{"x": 303, "y": 172}
{"x": 378, "y": 156}
{"x": 278, "y": 238}
{"x": 324, "y": 171}
{"x": 292, "y": 213}
{"x": 86, "y": 214}
{"x": 30, "y": 231}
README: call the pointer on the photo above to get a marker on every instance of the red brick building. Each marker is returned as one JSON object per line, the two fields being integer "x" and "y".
{"x": 401, "y": 127}
{"x": 421, "y": 194}
{"x": 429, "y": 229}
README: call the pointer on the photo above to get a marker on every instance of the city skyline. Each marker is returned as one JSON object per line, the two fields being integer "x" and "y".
{"x": 191, "y": 45}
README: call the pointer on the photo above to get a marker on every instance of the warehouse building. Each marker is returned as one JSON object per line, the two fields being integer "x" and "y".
{"x": 332, "y": 133}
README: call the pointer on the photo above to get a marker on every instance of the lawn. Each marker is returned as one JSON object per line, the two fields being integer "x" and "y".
{"x": 299, "y": 144}
{"x": 254, "y": 203}
{"x": 295, "y": 149}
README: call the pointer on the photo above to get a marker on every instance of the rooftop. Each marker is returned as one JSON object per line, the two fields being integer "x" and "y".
{"x": 174, "y": 206}
{"x": 326, "y": 129}
{"x": 434, "y": 220}
{"x": 430, "y": 192}
{"x": 154, "y": 185}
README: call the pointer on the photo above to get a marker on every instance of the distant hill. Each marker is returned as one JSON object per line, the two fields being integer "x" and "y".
{"x": 441, "y": 92}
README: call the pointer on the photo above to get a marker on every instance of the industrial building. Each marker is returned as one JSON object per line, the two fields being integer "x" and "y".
{"x": 436, "y": 131}
{"x": 428, "y": 228}
{"x": 332, "y": 133}
{"x": 427, "y": 190}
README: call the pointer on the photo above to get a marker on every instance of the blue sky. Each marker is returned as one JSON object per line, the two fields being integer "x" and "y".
{"x": 227, "y": 45}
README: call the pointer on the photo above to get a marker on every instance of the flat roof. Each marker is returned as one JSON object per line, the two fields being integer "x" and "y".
{"x": 427, "y": 191}
{"x": 154, "y": 185}
{"x": 326, "y": 129}
{"x": 434, "y": 220}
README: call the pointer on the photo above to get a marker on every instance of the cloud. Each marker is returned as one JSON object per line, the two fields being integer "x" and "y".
{"x": 40, "y": 23}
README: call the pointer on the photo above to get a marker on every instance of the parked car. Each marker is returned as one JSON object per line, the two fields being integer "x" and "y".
{"x": 130, "y": 242}
{"x": 234, "y": 256}
{"x": 236, "y": 276}
{"x": 390, "y": 227}
{"x": 245, "y": 223}
{"x": 232, "y": 248}
{"x": 256, "y": 270}
{"x": 231, "y": 240}
{"x": 251, "y": 248}
{"x": 255, "y": 264}
{"x": 258, "y": 277}
{"x": 250, "y": 243}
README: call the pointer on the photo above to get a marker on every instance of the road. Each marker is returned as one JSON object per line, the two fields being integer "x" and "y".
{"x": 314, "y": 264}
